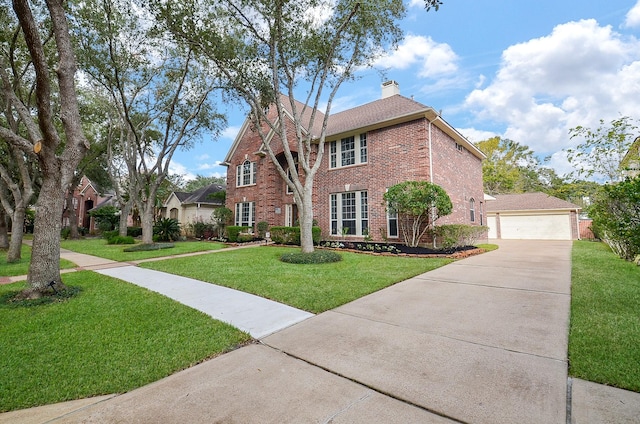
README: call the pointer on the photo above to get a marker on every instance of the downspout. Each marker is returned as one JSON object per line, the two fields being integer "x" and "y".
{"x": 433, "y": 212}
{"x": 578, "y": 224}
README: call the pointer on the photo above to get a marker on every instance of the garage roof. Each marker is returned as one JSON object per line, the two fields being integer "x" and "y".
{"x": 527, "y": 202}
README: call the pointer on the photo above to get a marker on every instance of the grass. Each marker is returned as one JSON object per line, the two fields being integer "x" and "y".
{"x": 604, "y": 338}
{"x": 487, "y": 246}
{"x": 22, "y": 266}
{"x": 311, "y": 287}
{"x": 115, "y": 252}
{"x": 110, "y": 338}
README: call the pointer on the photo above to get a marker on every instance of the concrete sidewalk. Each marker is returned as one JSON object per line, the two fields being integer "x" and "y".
{"x": 482, "y": 340}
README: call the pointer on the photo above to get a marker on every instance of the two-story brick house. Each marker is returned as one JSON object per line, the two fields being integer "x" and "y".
{"x": 368, "y": 149}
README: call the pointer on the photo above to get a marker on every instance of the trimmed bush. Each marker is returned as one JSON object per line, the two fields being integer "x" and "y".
{"x": 110, "y": 234}
{"x": 233, "y": 231}
{"x": 145, "y": 247}
{"x": 291, "y": 235}
{"x": 134, "y": 231}
{"x": 121, "y": 240}
{"x": 315, "y": 257}
{"x": 263, "y": 227}
{"x": 243, "y": 238}
{"x": 458, "y": 235}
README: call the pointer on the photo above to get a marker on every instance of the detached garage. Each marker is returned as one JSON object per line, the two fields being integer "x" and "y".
{"x": 531, "y": 216}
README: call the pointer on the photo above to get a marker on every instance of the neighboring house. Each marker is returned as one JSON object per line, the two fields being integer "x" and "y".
{"x": 532, "y": 216}
{"x": 85, "y": 198}
{"x": 630, "y": 164}
{"x": 196, "y": 206}
{"x": 368, "y": 149}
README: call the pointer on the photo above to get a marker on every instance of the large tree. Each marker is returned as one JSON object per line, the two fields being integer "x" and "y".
{"x": 160, "y": 92}
{"x": 270, "y": 52}
{"x": 510, "y": 167}
{"x": 52, "y": 129}
{"x": 601, "y": 150}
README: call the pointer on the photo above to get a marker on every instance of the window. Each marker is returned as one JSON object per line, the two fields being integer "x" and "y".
{"x": 459, "y": 147}
{"x": 287, "y": 188}
{"x": 348, "y": 151}
{"x": 173, "y": 213}
{"x": 246, "y": 174}
{"x": 350, "y": 213}
{"x": 472, "y": 210}
{"x": 245, "y": 214}
{"x": 75, "y": 203}
{"x": 392, "y": 224}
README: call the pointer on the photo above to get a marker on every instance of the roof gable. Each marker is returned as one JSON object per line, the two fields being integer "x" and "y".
{"x": 528, "y": 201}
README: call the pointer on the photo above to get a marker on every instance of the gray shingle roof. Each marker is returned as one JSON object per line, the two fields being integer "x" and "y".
{"x": 202, "y": 195}
{"x": 527, "y": 201}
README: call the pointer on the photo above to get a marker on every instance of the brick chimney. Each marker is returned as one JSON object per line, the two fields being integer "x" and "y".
{"x": 390, "y": 88}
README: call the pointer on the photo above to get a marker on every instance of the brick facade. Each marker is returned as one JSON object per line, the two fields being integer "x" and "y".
{"x": 398, "y": 150}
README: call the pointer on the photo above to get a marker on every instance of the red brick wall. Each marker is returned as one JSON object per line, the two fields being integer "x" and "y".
{"x": 395, "y": 154}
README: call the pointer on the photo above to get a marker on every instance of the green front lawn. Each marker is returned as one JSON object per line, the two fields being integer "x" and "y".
{"x": 115, "y": 252}
{"x": 314, "y": 288}
{"x": 604, "y": 339}
{"x": 22, "y": 266}
{"x": 110, "y": 338}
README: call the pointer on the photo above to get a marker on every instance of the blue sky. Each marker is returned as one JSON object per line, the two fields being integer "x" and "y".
{"x": 524, "y": 70}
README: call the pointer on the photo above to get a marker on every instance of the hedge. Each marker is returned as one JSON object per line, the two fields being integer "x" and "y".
{"x": 291, "y": 235}
{"x": 233, "y": 231}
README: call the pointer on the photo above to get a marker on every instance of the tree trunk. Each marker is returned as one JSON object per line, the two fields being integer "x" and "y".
{"x": 46, "y": 238}
{"x": 4, "y": 230}
{"x": 125, "y": 209}
{"x": 147, "y": 223}
{"x": 71, "y": 214}
{"x": 306, "y": 220}
{"x": 14, "y": 254}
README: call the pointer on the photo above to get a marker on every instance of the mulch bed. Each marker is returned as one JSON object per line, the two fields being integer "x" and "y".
{"x": 396, "y": 249}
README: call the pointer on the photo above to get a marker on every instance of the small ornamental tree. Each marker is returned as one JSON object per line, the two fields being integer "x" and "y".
{"x": 418, "y": 205}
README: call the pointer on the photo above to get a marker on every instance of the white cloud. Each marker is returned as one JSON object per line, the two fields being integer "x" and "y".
{"x": 206, "y": 166}
{"x": 179, "y": 169}
{"x": 582, "y": 72}
{"x": 230, "y": 132}
{"x": 475, "y": 135}
{"x": 433, "y": 59}
{"x": 632, "y": 20}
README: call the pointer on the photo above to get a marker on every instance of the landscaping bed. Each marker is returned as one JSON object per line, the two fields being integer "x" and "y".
{"x": 381, "y": 248}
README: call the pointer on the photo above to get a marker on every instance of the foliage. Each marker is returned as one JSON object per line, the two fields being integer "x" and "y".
{"x": 291, "y": 235}
{"x": 315, "y": 287}
{"x": 262, "y": 227}
{"x": 418, "y": 205}
{"x": 121, "y": 240}
{"x": 602, "y": 150}
{"x": 315, "y": 257}
{"x": 109, "y": 234}
{"x": 616, "y": 217}
{"x": 509, "y": 168}
{"x": 134, "y": 231}
{"x": 167, "y": 229}
{"x": 458, "y": 235}
{"x": 222, "y": 217}
{"x": 604, "y": 336}
{"x": 201, "y": 230}
{"x": 107, "y": 217}
{"x": 233, "y": 231}
{"x": 144, "y": 247}
{"x": 244, "y": 237}
{"x": 201, "y": 181}
{"x": 112, "y": 337}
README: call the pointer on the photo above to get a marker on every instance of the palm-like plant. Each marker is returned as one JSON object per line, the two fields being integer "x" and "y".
{"x": 167, "y": 229}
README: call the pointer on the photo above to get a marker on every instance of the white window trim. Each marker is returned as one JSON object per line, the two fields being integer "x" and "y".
{"x": 240, "y": 174}
{"x": 359, "y": 144}
{"x": 252, "y": 214}
{"x": 337, "y": 229}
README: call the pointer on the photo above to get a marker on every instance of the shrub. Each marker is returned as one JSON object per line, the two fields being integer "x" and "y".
{"x": 458, "y": 235}
{"x": 222, "y": 217}
{"x": 291, "y": 235}
{"x": 106, "y": 217}
{"x": 121, "y": 240}
{"x": 109, "y": 234}
{"x": 315, "y": 257}
{"x": 167, "y": 229}
{"x": 134, "y": 231}
{"x": 145, "y": 247}
{"x": 243, "y": 238}
{"x": 263, "y": 227}
{"x": 65, "y": 232}
{"x": 233, "y": 231}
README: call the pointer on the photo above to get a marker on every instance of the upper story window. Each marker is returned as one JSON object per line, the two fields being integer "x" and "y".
{"x": 246, "y": 174}
{"x": 459, "y": 147}
{"x": 348, "y": 151}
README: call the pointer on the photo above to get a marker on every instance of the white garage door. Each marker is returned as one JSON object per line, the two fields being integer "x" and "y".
{"x": 536, "y": 227}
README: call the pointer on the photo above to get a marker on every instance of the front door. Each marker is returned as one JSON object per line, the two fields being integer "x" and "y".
{"x": 290, "y": 215}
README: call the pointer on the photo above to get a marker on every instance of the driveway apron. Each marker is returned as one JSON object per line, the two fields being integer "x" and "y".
{"x": 483, "y": 340}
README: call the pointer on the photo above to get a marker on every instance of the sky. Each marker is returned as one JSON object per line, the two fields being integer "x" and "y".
{"x": 524, "y": 70}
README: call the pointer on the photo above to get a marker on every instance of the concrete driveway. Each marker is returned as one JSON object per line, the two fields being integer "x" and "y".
{"x": 482, "y": 340}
